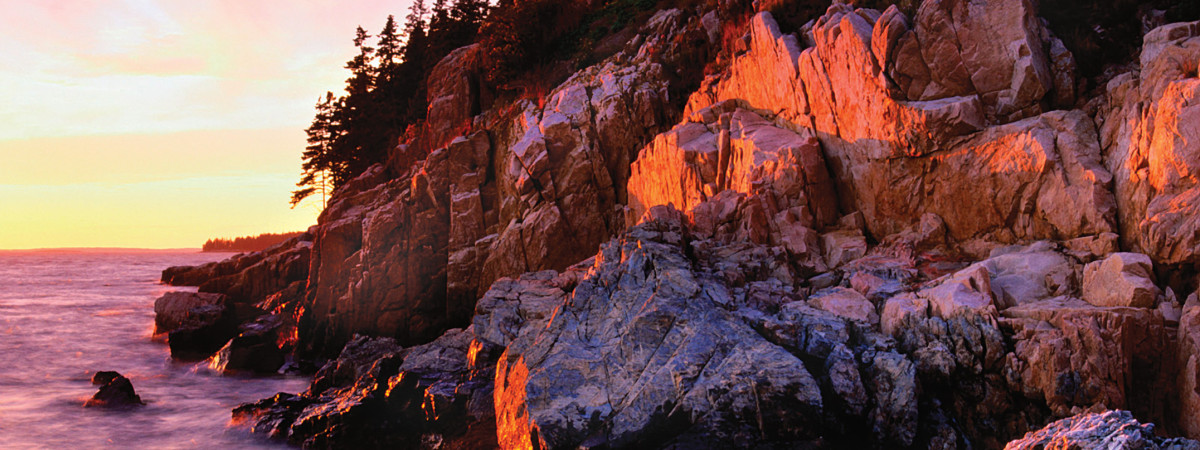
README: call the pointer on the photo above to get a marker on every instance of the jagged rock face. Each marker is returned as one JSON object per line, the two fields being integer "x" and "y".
{"x": 1088, "y": 355}
{"x": 1152, "y": 146}
{"x": 727, "y": 148}
{"x": 1188, "y": 377}
{"x": 757, "y": 315}
{"x": 629, "y": 354}
{"x": 251, "y": 277}
{"x": 895, "y": 160}
{"x": 453, "y": 97}
{"x": 540, "y": 189}
{"x": 639, "y": 346}
{"x": 997, "y": 51}
{"x": 1109, "y": 429}
{"x": 379, "y": 395}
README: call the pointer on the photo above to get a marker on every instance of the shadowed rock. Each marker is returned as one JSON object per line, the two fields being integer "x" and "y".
{"x": 196, "y": 324}
{"x": 116, "y": 391}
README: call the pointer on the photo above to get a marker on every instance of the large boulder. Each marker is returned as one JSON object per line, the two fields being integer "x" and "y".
{"x": 196, "y": 324}
{"x": 847, "y": 303}
{"x": 1070, "y": 354}
{"x": 1024, "y": 274}
{"x": 654, "y": 345}
{"x": 254, "y": 350}
{"x": 1108, "y": 429}
{"x": 1121, "y": 279}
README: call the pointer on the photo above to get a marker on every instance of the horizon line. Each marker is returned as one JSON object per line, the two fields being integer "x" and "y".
{"x": 109, "y": 249}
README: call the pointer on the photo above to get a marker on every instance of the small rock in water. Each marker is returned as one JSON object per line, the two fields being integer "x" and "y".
{"x": 116, "y": 391}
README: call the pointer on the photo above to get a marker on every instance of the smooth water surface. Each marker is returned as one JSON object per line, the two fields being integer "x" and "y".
{"x": 66, "y": 315}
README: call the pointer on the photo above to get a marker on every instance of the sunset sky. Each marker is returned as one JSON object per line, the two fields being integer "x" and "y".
{"x": 162, "y": 123}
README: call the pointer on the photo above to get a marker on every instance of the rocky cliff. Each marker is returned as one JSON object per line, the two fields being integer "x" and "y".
{"x": 879, "y": 230}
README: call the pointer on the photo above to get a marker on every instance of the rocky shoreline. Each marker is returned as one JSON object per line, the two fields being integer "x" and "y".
{"x": 880, "y": 231}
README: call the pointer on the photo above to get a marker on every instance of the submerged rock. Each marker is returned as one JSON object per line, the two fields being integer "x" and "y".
{"x": 116, "y": 391}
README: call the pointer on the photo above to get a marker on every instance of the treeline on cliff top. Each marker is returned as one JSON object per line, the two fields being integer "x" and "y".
{"x": 384, "y": 102}
{"x": 247, "y": 243}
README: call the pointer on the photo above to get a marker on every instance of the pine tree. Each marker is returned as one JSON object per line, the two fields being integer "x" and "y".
{"x": 318, "y": 156}
{"x": 411, "y": 72}
{"x": 385, "y": 92}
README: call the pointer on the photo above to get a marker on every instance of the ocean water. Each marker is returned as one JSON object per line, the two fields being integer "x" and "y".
{"x": 66, "y": 315}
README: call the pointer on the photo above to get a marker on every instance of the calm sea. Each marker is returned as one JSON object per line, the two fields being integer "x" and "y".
{"x": 64, "y": 316}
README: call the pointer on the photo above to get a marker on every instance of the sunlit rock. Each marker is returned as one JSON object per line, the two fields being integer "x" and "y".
{"x": 1121, "y": 279}
{"x": 896, "y": 160}
{"x": 537, "y": 186}
{"x": 1109, "y": 429}
{"x": 1151, "y": 146}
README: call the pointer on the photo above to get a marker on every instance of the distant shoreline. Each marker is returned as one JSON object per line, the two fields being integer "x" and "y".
{"x": 106, "y": 250}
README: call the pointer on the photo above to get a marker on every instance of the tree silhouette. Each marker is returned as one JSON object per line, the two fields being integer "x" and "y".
{"x": 385, "y": 93}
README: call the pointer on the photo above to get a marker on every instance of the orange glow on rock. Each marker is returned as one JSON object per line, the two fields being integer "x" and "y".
{"x": 513, "y": 428}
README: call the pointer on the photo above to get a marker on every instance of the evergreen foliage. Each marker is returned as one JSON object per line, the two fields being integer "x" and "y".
{"x": 247, "y": 243}
{"x": 384, "y": 94}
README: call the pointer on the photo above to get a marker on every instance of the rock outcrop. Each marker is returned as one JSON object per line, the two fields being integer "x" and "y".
{"x": 116, "y": 391}
{"x": 1110, "y": 429}
{"x": 196, "y": 324}
{"x": 233, "y": 294}
{"x": 257, "y": 349}
{"x": 895, "y": 157}
{"x": 882, "y": 232}
{"x": 537, "y": 187}
{"x": 1150, "y": 141}
{"x": 377, "y": 394}
{"x": 249, "y": 277}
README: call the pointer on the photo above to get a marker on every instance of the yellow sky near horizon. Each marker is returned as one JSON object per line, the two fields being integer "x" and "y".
{"x": 159, "y": 123}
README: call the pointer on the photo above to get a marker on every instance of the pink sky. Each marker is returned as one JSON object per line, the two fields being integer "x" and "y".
{"x": 141, "y": 123}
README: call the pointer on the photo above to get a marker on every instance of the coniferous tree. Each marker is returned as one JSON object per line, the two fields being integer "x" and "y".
{"x": 319, "y": 163}
{"x": 391, "y": 90}
{"x": 358, "y": 141}
{"x": 385, "y": 92}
